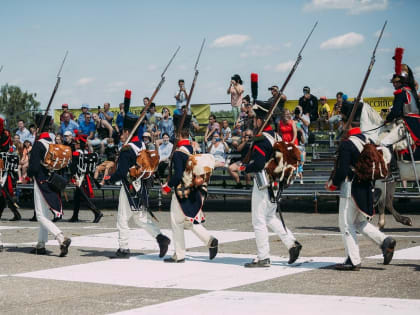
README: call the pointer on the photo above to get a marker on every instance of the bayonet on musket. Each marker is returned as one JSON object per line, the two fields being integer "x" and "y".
{"x": 143, "y": 114}
{"x": 53, "y": 93}
{"x": 278, "y": 98}
{"x": 359, "y": 95}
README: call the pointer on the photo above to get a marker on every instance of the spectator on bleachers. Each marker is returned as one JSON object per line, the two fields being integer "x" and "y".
{"x": 243, "y": 149}
{"x": 237, "y": 135}
{"x": 106, "y": 113}
{"x": 16, "y": 143}
{"x": 324, "y": 113}
{"x": 309, "y": 104}
{"x": 32, "y": 130}
{"x": 301, "y": 146}
{"x": 287, "y": 127}
{"x": 85, "y": 110}
{"x": 212, "y": 128}
{"x": 68, "y": 125}
{"x": 218, "y": 148}
{"x": 181, "y": 97}
{"x": 165, "y": 150}
{"x": 303, "y": 120}
{"x": 152, "y": 120}
{"x": 68, "y": 139}
{"x": 246, "y": 102}
{"x": 103, "y": 132}
{"x": 108, "y": 165}
{"x": 277, "y": 111}
{"x": 146, "y": 101}
{"x": 59, "y": 139}
{"x": 119, "y": 123}
{"x": 23, "y": 151}
{"x": 226, "y": 132}
{"x": 336, "y": 112}
{"x": 166, "y": 125}
{"x": 87, "y": 127}
{"x": 22, "y": 132}
{"x": 65, "y": 108}
{"x": 194, "y": 125}
{"x": 235, "y": 90}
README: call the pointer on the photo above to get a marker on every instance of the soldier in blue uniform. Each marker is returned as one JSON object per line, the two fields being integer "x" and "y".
{"x": 356, "y": 198}
{"x": 133, "y": 204}
{"x": 46, "y": 199}
{"x": 263, "y": 207}
{"x": 186, "y": 210}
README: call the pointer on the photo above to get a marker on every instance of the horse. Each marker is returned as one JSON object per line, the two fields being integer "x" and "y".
{"x": 372, "y": 126}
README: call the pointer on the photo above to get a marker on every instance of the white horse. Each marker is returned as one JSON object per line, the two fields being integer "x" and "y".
{"x": 370, "y": 123}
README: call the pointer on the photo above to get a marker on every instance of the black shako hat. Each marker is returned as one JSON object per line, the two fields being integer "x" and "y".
{"x": 347, "y": 107}
{"x": 129, "y": 121}
{"x": 38, "y": 121}
{"x": 177, "y": 122}
{"x": 261, "y": 109}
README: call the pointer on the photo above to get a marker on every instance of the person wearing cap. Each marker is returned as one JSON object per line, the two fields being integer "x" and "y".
{"x": 263, "y": 203}
{"x": 133, "y": 204}
{"x": 65, "y": 108}
{"x": 85, "y": 110}
{"x": 356, "y": 197}
{"x": 68, "y": 125}
{"x": 278, "y": 110}
{"x": 186, "y": 208}
{"x": 309, "y": 103}
{"x": 46, "y": 199}
{"x": 324, "y": 112}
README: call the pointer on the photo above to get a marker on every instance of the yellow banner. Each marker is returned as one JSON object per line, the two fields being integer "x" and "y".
{"x": 200, "y": 111}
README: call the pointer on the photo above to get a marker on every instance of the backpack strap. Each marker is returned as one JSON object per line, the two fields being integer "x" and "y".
{"x": 135, "y": 148}
{"x": 269, "y": 137}
{"x": 184, "y": 150}
{"x": 359, "y": 143}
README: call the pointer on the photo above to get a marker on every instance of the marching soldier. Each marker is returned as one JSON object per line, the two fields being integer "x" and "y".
{"x": 356, "y": 198}
{"x": 133, "y": 204}
{"x": 187, "y": 200}
{"x": 6, "y": 183}
{"x": 45, "y": 197}
{"x": 82, "y": 166}
{"x": 263, "y": 204}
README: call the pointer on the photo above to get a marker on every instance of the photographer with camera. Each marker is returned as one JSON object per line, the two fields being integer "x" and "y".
{"x": 218, "y": 148}
{"x": 106, "y": 113}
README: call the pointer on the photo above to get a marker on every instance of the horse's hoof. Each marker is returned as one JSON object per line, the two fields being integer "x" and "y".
{"x": 407, "y": 221}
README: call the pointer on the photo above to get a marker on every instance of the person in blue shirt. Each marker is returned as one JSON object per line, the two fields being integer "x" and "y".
{"x": 106, "y": 114}
{"x": 85, "y": 110}
{"x": 120, "y": 119}
{"x": 68, "y": 125}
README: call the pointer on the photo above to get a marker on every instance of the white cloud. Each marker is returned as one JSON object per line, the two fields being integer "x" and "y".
{"x": 230, "y": 40}
{"x": 351, "y": 6}
{"x": 285, "y": 66}
{"x": 381, "y": 91}
{"x": 84, "y": 81}
{"x": 259, "y": 51}
{"x": 343, "y": 41}
{"x": 117, "y": 84}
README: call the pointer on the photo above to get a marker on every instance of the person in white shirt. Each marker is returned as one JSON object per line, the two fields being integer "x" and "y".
{"x": 22, "y": 132}
{"x": 218, "y": 148}
{"x": 181, "y": 96}
{"x": 165, "y": 150}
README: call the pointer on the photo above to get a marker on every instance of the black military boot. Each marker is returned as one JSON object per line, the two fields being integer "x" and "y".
{"x": 388, "y": 247}
{"x": 16, "y": 214}
{"x": 33, "y": 219}
{"x": 294, "y": 252}
{"x": 213, "y": 248}
{"x": 163, "y": 242}
{"x": 75, "y": 216}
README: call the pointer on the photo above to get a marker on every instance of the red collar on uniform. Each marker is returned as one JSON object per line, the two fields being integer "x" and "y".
{"x": 135, "y": 139}
{"x": 354, "y": 131}
{"x": 268, "y": 128}
{"x": 183, "y": 142}
{"x": 44, "y": 135}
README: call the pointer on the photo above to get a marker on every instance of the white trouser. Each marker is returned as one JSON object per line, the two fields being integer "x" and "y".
{"x": 350, "y": 220}
{"x": 140, "y": 218}
{"x": 179, "y": 222}
{"x": 263, "y": 215}
{"x": 42, "y": 210}
{"x": 396, "y": 134}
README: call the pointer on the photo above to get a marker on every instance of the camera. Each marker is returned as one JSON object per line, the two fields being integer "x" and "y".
{"x": 297, "y": 111}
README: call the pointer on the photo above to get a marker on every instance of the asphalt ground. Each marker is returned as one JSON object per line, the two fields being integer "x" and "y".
{"x": 87, "y": 281}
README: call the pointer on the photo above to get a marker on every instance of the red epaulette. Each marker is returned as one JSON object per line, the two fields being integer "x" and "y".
{"x": 399, "y": 91}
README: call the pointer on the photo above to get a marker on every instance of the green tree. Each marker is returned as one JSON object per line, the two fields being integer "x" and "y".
{"x": 16, "y": 105}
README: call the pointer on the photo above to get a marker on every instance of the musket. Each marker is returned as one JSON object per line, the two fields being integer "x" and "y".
{"x": 184, "y": 115}
{"x": 53, "y": 93}
{"x": 278, "y": 97}
{"x": 359, "y": 95}
{"x": 1, "y": 68}
{"x": 143, "y": 114}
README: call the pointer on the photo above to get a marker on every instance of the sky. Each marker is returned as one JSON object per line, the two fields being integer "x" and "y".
{"x": 118, "y": 45}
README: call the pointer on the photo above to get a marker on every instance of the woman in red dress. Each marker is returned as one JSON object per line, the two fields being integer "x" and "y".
{"x": 287, "y": 127}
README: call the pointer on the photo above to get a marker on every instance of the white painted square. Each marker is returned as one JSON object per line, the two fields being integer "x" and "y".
{"x": 252, "y": 303}
{"x": 198, "y": 272}
{"x": 139, "y": 239}
{"x": 412, "y": 253}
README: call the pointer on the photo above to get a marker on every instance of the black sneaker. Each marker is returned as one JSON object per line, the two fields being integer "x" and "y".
{"x": 39, "y": 251}
{"x": 388, "y": 249}
{"x": 122, "y": 254}
{"x": 64, "y": 247}
{"x": 258, "y": 263}
{"x": 213, "y": 248}
{"x": 163, "y": 242}
{"x": 98, "y": 217}
{"x": 347, "y": 266}
{"x": 294, "y": 252}
{"x": 33, "y": 219}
